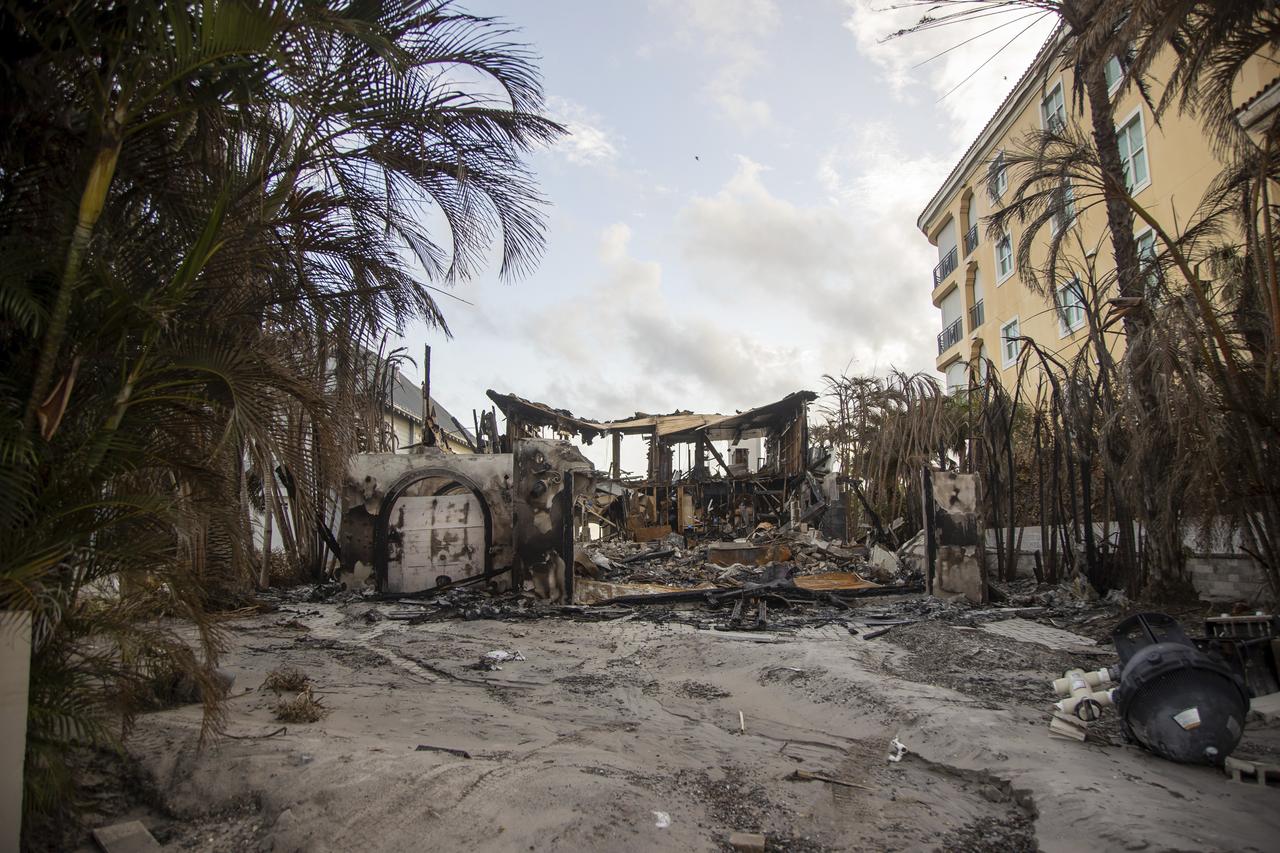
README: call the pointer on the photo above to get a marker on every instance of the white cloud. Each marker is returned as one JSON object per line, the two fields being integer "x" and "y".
{"x": 626, "y": 342}
{"x": 588, "y": 143}
{"x": 974, "y": 99}
{"x": 731, "y": 32}
{"x": 853, "y": 267}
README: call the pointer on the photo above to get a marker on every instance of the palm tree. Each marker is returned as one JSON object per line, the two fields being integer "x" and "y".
{"x": 208, "y": 213}
{"x": 1151, "y": 449}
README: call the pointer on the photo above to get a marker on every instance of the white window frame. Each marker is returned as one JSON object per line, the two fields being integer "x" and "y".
{"x": 1146, "y": 152}
{"x": 1114, "y": 85}
{"x": 952, "y": 390}
{"x": 1065, "y": 327}
{"x": 1005, "y": 361}
{"x": 1001, "y": 174}
{"x": 1013, "y": 262}
{"x": 1046, "y": 95}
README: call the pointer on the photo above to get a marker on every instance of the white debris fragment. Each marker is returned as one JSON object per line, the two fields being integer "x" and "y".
{"x": 491, "y": 660}
{"x": 502, "y": 656}
{"x": 898, "y": 749}
{"x": 663, "y": 820}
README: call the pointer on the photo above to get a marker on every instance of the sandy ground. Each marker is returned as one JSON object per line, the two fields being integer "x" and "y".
{"x": 625, "y": 735}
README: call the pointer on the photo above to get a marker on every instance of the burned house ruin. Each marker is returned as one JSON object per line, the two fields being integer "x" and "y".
{"x": 511, "y": 514}
{"x": 709, "y": 495}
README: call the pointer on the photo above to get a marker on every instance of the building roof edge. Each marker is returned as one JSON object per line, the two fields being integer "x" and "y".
{"x": 988, "y": 131}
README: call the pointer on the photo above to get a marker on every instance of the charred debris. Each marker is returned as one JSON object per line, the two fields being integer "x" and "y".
{"x": 528, "y": 518}
{"x": 528, "y": 528}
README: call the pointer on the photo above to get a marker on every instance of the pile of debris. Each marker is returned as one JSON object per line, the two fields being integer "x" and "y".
{"x": 767, "y": 554}
{"x": 784, "y": 568}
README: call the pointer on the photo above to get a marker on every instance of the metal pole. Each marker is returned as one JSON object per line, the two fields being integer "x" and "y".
{"x": 428, "y": 434}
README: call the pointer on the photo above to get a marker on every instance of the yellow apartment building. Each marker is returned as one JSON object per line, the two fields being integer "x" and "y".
{"x": 976, "y": 284}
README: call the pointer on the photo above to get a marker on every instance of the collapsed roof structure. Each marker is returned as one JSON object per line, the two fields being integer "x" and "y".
{"x": 700, "y": 499}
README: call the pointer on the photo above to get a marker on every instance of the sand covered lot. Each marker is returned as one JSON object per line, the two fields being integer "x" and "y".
{"x": 632, "y": 735}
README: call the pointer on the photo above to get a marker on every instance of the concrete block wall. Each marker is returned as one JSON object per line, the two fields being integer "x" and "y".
{"x": 1224, "y": 577}
{"x": 1228, "y": 578}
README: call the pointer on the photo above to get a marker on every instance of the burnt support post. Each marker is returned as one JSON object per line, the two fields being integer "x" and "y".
{"x": 567, "y": 540}
{"x": 428, "y": 433}
{"x": 716, "y": 454}
{"x": 615, "y": 470}
{"x": 930, "y": 538}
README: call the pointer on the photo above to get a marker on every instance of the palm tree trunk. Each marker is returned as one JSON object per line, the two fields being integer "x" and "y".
{"x": 92, "y": 200}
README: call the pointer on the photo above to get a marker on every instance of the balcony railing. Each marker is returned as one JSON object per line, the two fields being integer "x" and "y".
{"x": 951, "y": 335}
{"x": 976, "y": 315}
{"x": 948, "y": 263}
{"x": 970, "y": 240}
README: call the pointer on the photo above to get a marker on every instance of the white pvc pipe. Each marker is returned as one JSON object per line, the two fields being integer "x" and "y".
{"x": 1095, "y": 680}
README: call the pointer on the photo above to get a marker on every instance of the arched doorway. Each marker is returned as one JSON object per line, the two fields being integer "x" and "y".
{"x": 434, "y": 528}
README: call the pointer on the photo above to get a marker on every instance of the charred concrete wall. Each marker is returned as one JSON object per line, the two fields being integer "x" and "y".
{"x": 411, "y": 522}
{"x": 959, "y": 566}
{"x": 549, "y": 476}
{"x": 380, "y": 484}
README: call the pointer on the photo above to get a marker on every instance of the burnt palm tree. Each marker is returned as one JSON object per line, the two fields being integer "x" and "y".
{"x": 1192, "y": 340}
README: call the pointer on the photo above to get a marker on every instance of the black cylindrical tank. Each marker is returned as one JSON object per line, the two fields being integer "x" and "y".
{"x": 1174, "y": 699}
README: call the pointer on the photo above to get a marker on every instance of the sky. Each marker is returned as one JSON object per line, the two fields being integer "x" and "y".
{"x": 732, "y": 216}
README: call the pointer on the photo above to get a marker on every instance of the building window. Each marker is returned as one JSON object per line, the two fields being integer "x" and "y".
{"x": 1069, "y": 299}
{"x": 1064, "y": 207}
{"x": 1004, "y": 257}
{"x": 1114, "y": 73}
{"x": 999, "y": 174}
{"x": 1010, "y": 346}
{"x": 1133, "y": 153}
{"x": 1150, "y": 271}
{"x": 1053, "y": 109}
{"x": 957, "y": 377}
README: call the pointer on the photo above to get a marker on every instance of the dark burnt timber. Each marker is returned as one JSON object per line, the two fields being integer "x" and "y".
{"x": 715, "y": 597}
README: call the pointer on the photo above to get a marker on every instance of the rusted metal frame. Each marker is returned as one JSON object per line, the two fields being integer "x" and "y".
{"x": 394, "y": 492}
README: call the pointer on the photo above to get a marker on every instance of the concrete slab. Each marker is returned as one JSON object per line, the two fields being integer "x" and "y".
{"x": 1264, "y": 711}
{"x": 128, "y": 837}
{"x": 1026, "y": 631}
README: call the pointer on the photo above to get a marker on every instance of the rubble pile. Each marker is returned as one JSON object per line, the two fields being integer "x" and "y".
{"x": 767, "y": 554}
